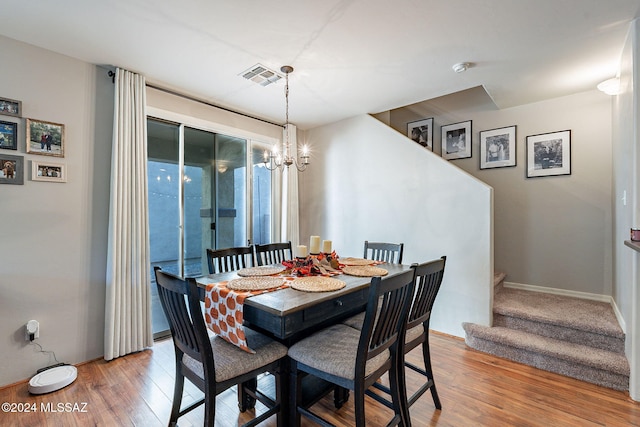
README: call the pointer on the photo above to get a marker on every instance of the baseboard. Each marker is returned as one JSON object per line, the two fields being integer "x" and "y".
{"x": 576, "y": 294}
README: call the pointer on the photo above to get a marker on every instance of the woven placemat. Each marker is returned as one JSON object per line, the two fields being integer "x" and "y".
{"x": 355, "y": 261}
{"x": 317, "y": 284}
{"x": 254, "y": 283}
{"x": 364, "y": 271}
{"x": 266, "y": 270}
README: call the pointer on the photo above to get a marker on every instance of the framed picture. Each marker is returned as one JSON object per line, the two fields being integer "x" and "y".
{"x": 11, "y": 169}
{"x": 498, "y": 148}
{"x": 456, "y": 141}
{"x": 549, "y": 154}
{"x": 8, "y": 135}
{"x": 45, "y": 138}
{"x": 421, "y": 131}
{"x": 45, "y": 171}
{"x": 10, "y": 107}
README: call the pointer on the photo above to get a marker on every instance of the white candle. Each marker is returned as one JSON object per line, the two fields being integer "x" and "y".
{"x": 326, "y": 246}
{"x": 301, "y": 251}
{"x": 314, "y": 244}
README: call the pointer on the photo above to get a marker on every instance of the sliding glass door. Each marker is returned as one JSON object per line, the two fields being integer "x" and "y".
{"x": 201, "y": 196}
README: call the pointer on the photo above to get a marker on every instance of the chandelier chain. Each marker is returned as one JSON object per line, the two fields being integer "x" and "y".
{"x": 286, "y": 97}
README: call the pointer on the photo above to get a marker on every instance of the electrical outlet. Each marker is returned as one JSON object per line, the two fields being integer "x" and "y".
{"x": 32, "y": 329}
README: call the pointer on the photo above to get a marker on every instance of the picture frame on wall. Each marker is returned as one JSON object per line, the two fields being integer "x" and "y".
{"x": 498, "y": 148}
{"x": 8, "y": 135}
{"x": 45, "y": 138}
{"x": 10, "y": 107}
{"x": 549, "y": 154}
{"x": 11, "y": 169}
{"x": 456, "y": 141}
{"x": 51, "y": 172}
{"x": 421, "y": 131}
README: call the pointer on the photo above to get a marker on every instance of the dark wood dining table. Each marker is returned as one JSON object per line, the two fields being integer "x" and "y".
{"x": 289, "y": 315}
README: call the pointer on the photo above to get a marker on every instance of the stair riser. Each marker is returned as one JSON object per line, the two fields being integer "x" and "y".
{"x": 561, "y": 333}
{"x": 551, "y": 364}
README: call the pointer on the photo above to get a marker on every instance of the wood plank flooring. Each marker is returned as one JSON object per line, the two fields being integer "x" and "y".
{"x": 476, "y": 389}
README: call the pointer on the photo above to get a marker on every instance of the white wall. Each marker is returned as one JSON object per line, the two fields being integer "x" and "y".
{"x": 368, "y": 182}
{"x": 626, "y": 160}
{"x": 552, "y": 232}
{"x": 53, "y": 251}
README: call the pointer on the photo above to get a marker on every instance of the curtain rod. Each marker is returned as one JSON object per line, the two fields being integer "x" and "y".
{"x": 190, "y": 98}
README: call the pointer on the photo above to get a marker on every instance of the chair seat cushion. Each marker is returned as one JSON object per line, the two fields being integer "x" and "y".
{"x": 333, "y": 350}
{"x": 413, "y": 333}
{"x": 231, "y": 361}
{"x": 357, "y": 320}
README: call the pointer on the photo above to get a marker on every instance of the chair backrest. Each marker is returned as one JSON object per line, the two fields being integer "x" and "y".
{"x": 428, "y": 280}
{"x": 273, "y": 253}
{"x": 381, "y": 251}
{"x": 391, "y": 297}
{"x": 180, "y": 299}
{"x": 229, "y": 259}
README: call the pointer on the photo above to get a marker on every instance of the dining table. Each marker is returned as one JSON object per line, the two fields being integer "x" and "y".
{"x": 289, "y": 315}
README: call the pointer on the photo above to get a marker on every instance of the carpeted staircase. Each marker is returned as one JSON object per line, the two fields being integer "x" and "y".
{"x": 570, "y": 336}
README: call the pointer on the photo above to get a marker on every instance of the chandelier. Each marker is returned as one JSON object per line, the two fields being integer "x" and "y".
{"x": 281, "y": 158}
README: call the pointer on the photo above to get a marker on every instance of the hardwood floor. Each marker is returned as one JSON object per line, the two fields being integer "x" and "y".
{"x": 476, "y": 389}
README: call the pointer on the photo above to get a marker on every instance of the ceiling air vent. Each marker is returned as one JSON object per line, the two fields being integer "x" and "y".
{"x": 261, "y": 75}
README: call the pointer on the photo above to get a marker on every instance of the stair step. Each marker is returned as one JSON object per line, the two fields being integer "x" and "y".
{"x": 569, "y": 312}
{"x": 603, "y": 342}
{"x": 582, "y": 362}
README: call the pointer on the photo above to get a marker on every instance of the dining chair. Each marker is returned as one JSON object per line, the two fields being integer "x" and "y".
{"x": 381, "y": 251}
{"x": 208, "y": 361}
{"x": 354, "y": 359}
{"x": 428, "y": 277}
{"x": 229, "y": 259}
{"x": 224, "y": 261}
{"x": 273, "y": 253}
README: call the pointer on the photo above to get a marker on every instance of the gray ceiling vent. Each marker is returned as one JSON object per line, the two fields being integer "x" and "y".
{"x": 261, "y": 75}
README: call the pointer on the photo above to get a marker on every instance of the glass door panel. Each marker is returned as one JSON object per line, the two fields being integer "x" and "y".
{"x": 163, "y": 176}
{"x": 261, "y": 203}
{"x": 199, "y": 199}
{"x": 231, "y": 191}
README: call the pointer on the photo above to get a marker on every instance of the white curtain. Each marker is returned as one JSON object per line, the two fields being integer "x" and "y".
{"x": 127, "y": 308}
{"x": 290, "y": 229}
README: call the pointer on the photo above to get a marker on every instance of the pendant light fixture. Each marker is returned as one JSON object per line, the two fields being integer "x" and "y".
{"x": 281, "y": 157}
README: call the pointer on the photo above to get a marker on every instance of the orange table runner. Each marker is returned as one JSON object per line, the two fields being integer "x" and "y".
{"x": 224, "y": 312}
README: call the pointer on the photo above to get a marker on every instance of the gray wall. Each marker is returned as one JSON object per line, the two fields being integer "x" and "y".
{"x": 552, "y": 232}
{"x": 53, "y": 251}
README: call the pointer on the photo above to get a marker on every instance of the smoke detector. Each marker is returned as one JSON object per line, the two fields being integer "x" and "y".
{"x": 461, "y": 67}
{"x": 261, "y": 75}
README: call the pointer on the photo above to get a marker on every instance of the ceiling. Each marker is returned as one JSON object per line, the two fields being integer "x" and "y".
{"x": 350, "y": 56}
